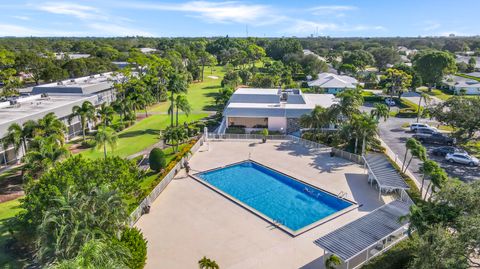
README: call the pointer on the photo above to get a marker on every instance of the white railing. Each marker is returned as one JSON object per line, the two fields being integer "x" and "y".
{"x": 137, "y": 213}
{"x": 306, "y": 143}
{"x": 223, "y": 126}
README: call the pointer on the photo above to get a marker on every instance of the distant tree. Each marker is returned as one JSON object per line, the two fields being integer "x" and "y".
{"x": 455, "y": 45}
{"x": 348, "y": 69}
{"x": 177, "y": 84}
{"x": 255, "y": 53}
{"x": 105, "y": 114}
{"x": 278, "y": 48}
{"x": 433, "y": 65}
{"x": 180, "y": 104}
{"x": 358, "y": 58}
{"x": 332, "y": 262}
{"x": 396, "y": 81}
{"x": 416, "y": 79}
{"x": 472, "y": 63}
{"x": 384, "y": 56}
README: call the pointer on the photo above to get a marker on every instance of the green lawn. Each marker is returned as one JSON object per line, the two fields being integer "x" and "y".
{"x": 201, "y": 95}
{"x": 7, "y": 211}
{"x": 141, "y": 135}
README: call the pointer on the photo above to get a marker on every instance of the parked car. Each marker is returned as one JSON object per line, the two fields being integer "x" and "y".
{"x": 443, "y": 151}
{"x": 434, "y": 138}
{"x": 414, "y": 126}
{"x": 426, "y": 130}
{"x": 462, "y": 158}
{"x": 390, "y": 102}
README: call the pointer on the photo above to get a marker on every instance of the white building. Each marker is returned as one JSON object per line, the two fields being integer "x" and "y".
{"x": 59, "y": 98}
{"x": 333, "y": 83}
{"x": 458, "y": 84}
{"x": 274, "y": 109}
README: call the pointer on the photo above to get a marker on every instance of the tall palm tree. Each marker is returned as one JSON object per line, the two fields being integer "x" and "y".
{"x": 51, "y": 126}
{"x": 105, "y": 114}
{"x": 423, "y": 96}
{"x": 380, "y": 111}
{"x": 437, "y": 179}
{"x": 17, "y": 135}
{"x": 223, "y": 95}
{"x": 206, "y": 263}
{"x": 104, "y": 137}
{"x": 409, "y": 145}
{"x": 120, "y": 107}
{"x": 180, "y": 103}
{"x": 177, "y": 85}
{"x": 175, "y": 135}
{"x": 419, "y": 152}
{"x": 332, "y": 262}
{"x": 43, "y": 153}
{"x": 349, "y": 103}
{"x": 316, "y": 120}
{"x": 361, "y": 126}
{"x": 427, "y": 168}
{"x": 85, "y": 112}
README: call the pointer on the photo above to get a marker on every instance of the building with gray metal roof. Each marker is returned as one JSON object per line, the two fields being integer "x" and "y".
{"x": 333, "y": 83}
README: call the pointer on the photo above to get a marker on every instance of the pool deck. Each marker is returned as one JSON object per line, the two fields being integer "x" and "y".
{"x": 189, "y": 220}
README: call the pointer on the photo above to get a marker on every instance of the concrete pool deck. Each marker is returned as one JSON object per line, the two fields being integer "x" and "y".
{"x": 189, "y": 220}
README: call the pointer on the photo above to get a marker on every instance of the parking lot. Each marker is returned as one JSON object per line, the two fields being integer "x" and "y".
{"x": 395, "y": 137}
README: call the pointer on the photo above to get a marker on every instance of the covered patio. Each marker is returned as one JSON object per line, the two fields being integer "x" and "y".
{"x": 359, "y": 241}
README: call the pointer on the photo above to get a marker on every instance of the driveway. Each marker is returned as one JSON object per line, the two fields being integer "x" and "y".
{"x": 415, "y": 98}
{"x": 395, "y": 137}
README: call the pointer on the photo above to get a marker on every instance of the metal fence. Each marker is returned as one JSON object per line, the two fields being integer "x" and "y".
{"x": 137, "y": 213}
{"x": 347, "y": 155}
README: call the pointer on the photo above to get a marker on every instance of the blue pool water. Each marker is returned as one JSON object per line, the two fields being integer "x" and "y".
{"x": 275, "y": 195}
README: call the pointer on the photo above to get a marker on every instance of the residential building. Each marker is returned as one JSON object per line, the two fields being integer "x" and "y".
{"x": 59, "y": 98}
{"x": 460, "y": 84}
{"x": 274, "y": 109}
{"x": 333, "y": 83}
{"x": 465, "y": 59}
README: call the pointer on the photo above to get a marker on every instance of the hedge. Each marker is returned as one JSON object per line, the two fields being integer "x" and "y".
{"x": 398, "y": 257}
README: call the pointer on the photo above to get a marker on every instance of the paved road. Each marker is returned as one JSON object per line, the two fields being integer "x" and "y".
{"x": 395, "y": 137}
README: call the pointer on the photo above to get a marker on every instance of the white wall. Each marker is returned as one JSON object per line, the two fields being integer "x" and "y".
{"x": 277, "y": 124}
{"x": 469, "y": 90}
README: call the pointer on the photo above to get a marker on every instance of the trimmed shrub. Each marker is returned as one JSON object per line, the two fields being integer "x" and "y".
{"x": 157, "y": 159}
{"x": 235, "y": 130}
{"x": 90, "y": 143}
{"x": 407, "y": 113}
{"x": 133, "y": 240}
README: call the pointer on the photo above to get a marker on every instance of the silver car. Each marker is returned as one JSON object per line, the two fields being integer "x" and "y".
{"x": 461, "y": 158}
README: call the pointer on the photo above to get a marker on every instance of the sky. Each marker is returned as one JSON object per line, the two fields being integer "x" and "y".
{"x": 301, "y": 18}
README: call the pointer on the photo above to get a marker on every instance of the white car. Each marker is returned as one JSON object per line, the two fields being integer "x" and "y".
{"x": 415, "y": 126}
{"x": 390, "y": 102}
{"x": 462, "y": 158}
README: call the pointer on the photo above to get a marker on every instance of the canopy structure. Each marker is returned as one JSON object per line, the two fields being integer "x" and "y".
{"x": 382, "y": 172}
{"x": 370, "y": 234}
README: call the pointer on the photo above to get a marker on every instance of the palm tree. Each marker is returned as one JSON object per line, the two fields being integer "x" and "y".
{"x": 380, "y": 111}
{"x": 316, "y": 120}
{"x": 106, "y": 136}
{"x": 175, "y": 135}
{"x": 427, "y": 168}
{"x": 43, "y": 153}
{"x": 361, "y": 126}
{"x": 223, "y": 96}
{"x": 121, "y": 108}
{"x": 85, "y": 112}
{"x": 410, "y": 145}
{"x": 17, "y": 135}
{"x": 349, "y": 103}
{"x": 437, "y": 179}
{"x": 105, "y": 113}
{"x": 206, "y": 263}
{"x": 74, "y": 219}
{"x": 177, "y": 84}
{"x": 425, "y": 97}
{"x": 180, "y": 103}
{"x": 51, "y": 126}
{"x": 419, "y": 152}
{"x": 332, "y": 262}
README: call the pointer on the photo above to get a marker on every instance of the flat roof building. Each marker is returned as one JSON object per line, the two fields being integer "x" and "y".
{"x": 333, "y": 83}
{"x": 274, "y": 109}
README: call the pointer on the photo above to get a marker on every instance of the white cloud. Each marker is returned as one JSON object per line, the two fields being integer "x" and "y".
{"x": 106, "y": 29}
{"x": 15, "y": 30}
{"x": 79, "y": 11}
{"x": 328, "y": 10}
{"x": 301, "y": 27}
{"x": 430, "y": 25}
{"x": 23, "y": 18}
{"x": 216, "y": 12}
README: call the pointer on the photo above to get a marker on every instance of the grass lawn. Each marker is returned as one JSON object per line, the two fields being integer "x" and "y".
{"x": 141, "y": 135}
{"x": 201, "y": 95}
{"x": 7, "y": 211}
{"x": 438, "y": 93}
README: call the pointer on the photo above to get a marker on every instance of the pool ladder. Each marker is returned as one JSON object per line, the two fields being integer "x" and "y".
{"x": 342, "y": 195}
{"x": 277, "y": 222}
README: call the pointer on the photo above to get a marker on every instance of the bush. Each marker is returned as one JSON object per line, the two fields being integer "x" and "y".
{"x": 407, "y": 113}
{"x": 373, "y": 98}
{"x": 399, "y": 256}
{"x": 235, "y": 130}
{"x": 157, "y": 159}
{"x": 90, "y": 143}
{"x": 118, "y": 126}
{"x": 133, "y": 240}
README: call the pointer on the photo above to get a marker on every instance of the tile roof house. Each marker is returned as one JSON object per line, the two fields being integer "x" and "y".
{"x": 332, "y": 83}
{"x": 274, "y": 109}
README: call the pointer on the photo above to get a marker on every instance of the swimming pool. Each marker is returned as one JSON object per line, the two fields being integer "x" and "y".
{"x": 295, "y": 205}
